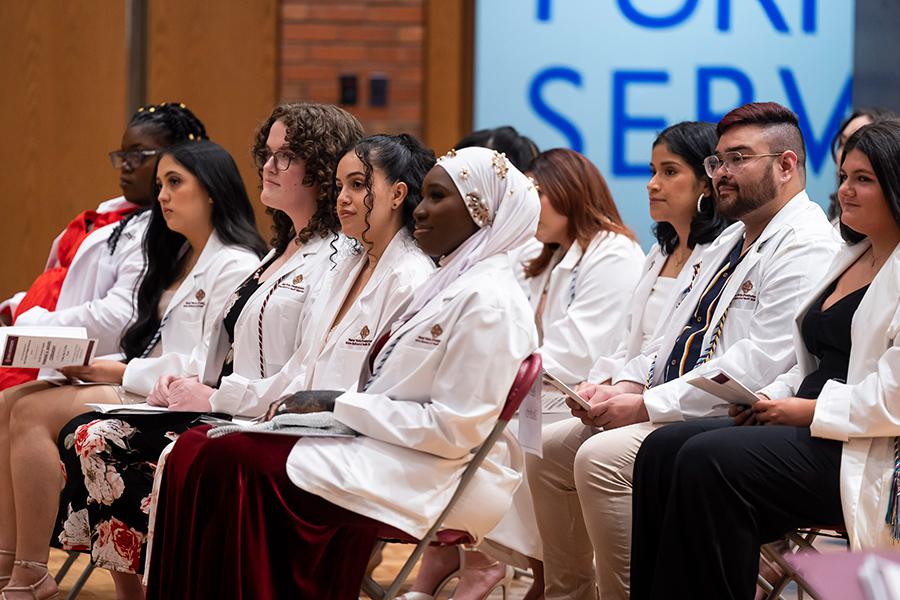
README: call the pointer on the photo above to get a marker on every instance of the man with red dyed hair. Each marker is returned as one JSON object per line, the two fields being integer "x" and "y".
{"x": 737, "y": 316}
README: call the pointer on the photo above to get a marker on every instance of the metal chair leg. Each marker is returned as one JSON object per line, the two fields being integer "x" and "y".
{"x": 82, "y": 579}
{"x": 71, "y": 557}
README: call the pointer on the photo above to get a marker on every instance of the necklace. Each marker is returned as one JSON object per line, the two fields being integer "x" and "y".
{"x": 677, "y": 261}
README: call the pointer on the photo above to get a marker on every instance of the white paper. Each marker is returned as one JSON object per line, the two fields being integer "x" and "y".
{"x": 45, "y": 347}
{"x": 721, "y": 384}
{"x": 530, "y": 422}
{"x": 565, "y": 389}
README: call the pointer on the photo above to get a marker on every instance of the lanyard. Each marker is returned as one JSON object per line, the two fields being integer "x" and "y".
{"x": 262, "y": 311}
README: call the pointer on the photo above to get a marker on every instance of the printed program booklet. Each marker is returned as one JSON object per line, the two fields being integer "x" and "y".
{"x": 721, "y": 384}
{"x": 45, "y": 347}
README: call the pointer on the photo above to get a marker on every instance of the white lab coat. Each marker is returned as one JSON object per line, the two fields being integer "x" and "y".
{"x": 588, "y": 296}
{"x": 99, "y": 290}
{"x": 762, "y": 296}
{"x": 192, "y": 311}
{"x": 632, "y": 344}
{"x": 864, "y": 412}
{"x": 290, "y": 287}
{"x": 333, "y": 360}
{"x": 436, "y": 398}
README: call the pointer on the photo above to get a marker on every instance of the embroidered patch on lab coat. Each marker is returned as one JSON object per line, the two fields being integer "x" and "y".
{"x": 198, "y": 302}
{"x": 436, "y": 331}
{"x": 746, "y": 296}
{"x": 295, "y": 284}
{"x": 362, "y": 340}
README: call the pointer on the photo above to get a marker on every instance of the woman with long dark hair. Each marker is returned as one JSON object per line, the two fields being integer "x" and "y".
{"x": 860, "y": 117}
{"x": 201, "y": 240}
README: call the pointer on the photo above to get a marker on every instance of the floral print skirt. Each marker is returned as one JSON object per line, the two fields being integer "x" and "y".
{"x": 109, "y": 462}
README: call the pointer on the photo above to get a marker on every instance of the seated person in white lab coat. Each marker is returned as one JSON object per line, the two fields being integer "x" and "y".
{"x": 828, "y": 454}
{"x": 682, "y": 205}
{"x": 435, "y": 389}
{"x": 378, "y": 185}
{"x": 96, "y": 263}
{"x": 579, "y": 283}
{"x": 110, "y": 459}
{"x": 201, "y": 241}
{"x": 736, "y": 317}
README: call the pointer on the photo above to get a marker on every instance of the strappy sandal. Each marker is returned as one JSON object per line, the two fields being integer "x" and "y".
{"x": 30, "y": 564}
{"x": 445, "y": 580}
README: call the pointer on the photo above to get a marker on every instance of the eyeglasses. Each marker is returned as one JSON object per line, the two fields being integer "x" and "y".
{"x": 134, "y": 158}
{"x": 282, "y": 159}
{"x": 732, "y": 161}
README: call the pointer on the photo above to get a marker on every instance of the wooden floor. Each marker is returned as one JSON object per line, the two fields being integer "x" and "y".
{"x": 100, "y": 585}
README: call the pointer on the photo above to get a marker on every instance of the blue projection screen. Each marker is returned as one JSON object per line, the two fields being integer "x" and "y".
{"x": 604, "y": 76}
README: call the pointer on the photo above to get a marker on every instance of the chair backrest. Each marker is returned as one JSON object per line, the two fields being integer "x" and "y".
{"x": 529, "y": 371}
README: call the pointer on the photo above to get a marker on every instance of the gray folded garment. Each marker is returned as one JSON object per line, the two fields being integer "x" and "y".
{"x": 317, "y": 424}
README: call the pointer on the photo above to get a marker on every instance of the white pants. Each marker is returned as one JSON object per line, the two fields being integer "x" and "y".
{"x": 582, "y": 499}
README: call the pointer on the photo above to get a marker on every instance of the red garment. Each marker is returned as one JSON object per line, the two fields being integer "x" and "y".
{"x": 231, "y": 525}
{"x": 44, "y": 292}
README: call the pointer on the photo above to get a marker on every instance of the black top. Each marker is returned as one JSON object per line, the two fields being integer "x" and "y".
{"x": 686, "y": 351}
{"x": 238, "y": 302}
{"x": 826, "y": 335}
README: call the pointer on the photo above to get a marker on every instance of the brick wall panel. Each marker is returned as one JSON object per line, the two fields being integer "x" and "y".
{"x": 324, "y": 39}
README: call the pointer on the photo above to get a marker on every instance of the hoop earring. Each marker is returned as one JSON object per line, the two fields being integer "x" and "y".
{"x": 699, "y": 201}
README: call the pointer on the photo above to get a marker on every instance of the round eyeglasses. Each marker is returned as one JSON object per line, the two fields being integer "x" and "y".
{"x": 282, "y": 159}
{"x": 732, "y": 162}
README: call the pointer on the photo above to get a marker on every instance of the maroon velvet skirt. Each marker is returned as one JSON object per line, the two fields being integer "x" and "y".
{"x": 230, "y": 524}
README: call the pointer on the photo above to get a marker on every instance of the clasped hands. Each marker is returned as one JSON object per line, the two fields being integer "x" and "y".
{"x": 184, "y": 394}
{"x": 612, "y": 406}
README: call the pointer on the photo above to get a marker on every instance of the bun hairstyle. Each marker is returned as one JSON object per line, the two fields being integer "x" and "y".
{"x": 401, "y": 158}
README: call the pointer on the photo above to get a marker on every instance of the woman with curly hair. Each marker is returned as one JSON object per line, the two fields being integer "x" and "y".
{"x": 110, "y": 460}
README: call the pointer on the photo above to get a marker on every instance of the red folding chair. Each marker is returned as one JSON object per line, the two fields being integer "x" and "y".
{"x": 528, "y": 374}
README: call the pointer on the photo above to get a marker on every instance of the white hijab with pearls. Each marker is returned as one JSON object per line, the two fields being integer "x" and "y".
{"x": 501, "y": 200}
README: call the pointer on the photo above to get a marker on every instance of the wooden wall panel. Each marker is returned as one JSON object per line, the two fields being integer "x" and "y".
{"x": 449, "y": 69}
{"x": 221, "y": 59}
{"x": 62, "y": 108}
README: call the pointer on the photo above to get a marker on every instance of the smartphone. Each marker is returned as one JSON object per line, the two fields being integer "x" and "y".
{"x": 565, "y": 389}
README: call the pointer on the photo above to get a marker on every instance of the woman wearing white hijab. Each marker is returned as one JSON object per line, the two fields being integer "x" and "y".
{"x": 435, "y": 390}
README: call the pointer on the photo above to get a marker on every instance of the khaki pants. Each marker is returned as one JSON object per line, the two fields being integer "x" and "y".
{"x": 582, "y": 497}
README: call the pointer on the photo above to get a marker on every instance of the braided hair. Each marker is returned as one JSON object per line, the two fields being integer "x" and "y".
{"x": 174, "y": 123}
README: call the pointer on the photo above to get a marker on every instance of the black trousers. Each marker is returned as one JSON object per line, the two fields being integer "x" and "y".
{"x": 707, "y": 494}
